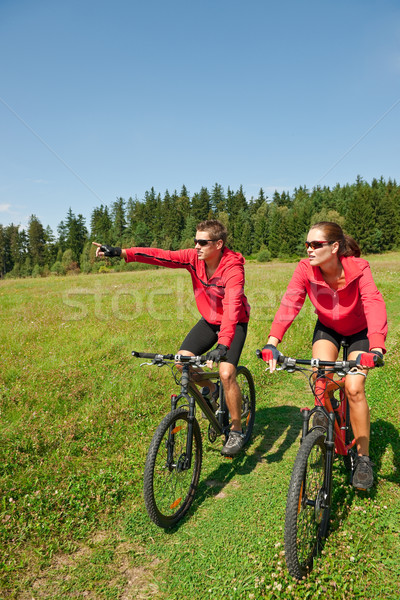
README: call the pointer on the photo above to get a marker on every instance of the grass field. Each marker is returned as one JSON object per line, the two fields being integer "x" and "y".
{"x": 77, "y": 417}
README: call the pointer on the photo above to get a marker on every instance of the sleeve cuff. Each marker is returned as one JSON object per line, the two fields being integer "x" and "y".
{"x": 376, "y": 340}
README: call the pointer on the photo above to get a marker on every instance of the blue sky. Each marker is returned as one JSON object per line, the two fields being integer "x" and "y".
{"x": 100, "y": 100}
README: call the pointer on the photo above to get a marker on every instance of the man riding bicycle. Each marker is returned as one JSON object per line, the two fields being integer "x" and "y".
{"x": 218, "y": 284}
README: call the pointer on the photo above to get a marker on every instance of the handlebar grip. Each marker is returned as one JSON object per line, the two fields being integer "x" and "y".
{"x": 152, "y": 356}
{"x": 143, "y": 354}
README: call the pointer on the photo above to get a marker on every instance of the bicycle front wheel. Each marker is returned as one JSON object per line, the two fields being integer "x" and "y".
{"x": 307, "y": 513}
{"x": 170, "y": 476}
{"x": 247, "y": 389}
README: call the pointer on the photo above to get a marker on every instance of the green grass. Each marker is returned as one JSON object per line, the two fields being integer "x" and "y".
{"x": 77, "y": 417}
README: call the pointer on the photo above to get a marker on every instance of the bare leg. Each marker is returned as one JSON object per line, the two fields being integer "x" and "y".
{"x": 359, "y": 409}
{"x": 233, "y": 395}
{"x": 355, "y": 390}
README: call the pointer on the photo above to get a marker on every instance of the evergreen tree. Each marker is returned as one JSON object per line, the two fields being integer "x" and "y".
{"x": 101, "y": 225}
{"x": 278, "y": 242}
{"x": 260, "y": 226}
{"x": 188, "y": 232}
{"x": 217, "y": 200}
{"x": 118, "y": 221}
{"x": 76, "y": 234}
{"x": 361, "y": 218}
{"x": 50, "y": 250}
{"x": 143, "y": 236}
{"x": 62, "y": 231}
{"x": 243, "y": 238}
{"x": 254, "y": 205}
{"x": 2, "y": 252}
{"x": 173, "y": 221}
{"x": 36, "y": 241}
{"x": 201, "y": 205}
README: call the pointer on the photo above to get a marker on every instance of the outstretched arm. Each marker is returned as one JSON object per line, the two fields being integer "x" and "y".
{"x": 103, "y": 250}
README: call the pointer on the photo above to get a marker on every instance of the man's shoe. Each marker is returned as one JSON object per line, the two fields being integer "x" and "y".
{"x": 363, "y": 475}
{"x": 233, "y": 444}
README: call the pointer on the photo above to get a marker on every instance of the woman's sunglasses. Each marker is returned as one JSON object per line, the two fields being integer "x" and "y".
{"x": 203, "y": 242}
{"x": 316, "y": 244}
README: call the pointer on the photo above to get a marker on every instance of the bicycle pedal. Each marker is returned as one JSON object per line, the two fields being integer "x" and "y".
{"x": 212, "y": 434}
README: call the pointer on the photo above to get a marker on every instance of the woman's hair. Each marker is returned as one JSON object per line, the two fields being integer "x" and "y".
{"x": 334, "y": 233}
{"x": 216, "y": 229}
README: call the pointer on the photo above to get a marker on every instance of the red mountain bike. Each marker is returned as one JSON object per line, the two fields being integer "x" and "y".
{"x": 326, "y": 433}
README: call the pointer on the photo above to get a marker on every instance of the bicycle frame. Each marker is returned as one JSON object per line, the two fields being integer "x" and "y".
{"x": 336, "y": 441}
{"x": 188, "y": 385}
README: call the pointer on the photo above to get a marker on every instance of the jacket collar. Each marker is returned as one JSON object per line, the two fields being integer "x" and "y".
{"x": 352, "y": 271}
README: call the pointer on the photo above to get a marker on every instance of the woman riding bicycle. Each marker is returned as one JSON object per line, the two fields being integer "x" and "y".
{"x": 348, "y": 304}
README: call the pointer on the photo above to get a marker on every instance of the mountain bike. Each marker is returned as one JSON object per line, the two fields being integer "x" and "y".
{"x": 326, "y": 433}
{"x": 174, "y": 458}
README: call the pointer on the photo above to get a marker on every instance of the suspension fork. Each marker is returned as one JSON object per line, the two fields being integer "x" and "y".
{"x": 191, "y": 416}
{"x": 330, "y": 455}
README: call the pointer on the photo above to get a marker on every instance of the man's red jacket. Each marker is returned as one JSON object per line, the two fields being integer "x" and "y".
{"x": 220, "y": 299}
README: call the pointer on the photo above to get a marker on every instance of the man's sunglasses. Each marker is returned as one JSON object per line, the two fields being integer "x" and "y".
{"x": 203, "y": 242}
{"x": 316, "y": 244}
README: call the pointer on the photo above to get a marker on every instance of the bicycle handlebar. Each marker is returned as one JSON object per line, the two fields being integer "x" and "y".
{"x": 291, "y": 363}
{"x": 175, "y": 357}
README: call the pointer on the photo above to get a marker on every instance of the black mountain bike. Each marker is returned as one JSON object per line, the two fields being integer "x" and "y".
{"x": 174, "y": 459}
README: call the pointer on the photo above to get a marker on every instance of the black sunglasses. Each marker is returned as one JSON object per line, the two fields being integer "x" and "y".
{"x": 316, "y": 244}
{"x": 203, "y": 242}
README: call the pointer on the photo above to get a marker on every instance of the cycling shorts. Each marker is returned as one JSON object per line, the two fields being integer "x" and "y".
{"x": 357, "y": 341}
{"x": 204, "y": 335}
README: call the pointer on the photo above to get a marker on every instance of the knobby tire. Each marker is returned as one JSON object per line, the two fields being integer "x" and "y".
{"x": 169, "y": 489}
{"x": 306, "y": 521}
{"x": 247, "y": 388}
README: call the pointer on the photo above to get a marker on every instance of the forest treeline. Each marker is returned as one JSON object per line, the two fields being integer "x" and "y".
{"x": 262, "y": 227}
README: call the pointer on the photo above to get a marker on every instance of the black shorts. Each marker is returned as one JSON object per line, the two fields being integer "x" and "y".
{"x": 357, "y": 341}
{"x": 204, "y": 335}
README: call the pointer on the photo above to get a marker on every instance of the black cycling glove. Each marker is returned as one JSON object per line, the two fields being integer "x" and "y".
{"x": 219, "y": 353}
{"x": 110, "y": 251}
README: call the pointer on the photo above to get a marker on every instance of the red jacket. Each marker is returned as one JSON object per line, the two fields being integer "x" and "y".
{"x": 356, "y": 306}
{"x": 220, "y": 299}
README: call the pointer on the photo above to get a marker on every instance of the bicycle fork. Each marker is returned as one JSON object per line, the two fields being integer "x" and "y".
{"x": 325, "y": 493}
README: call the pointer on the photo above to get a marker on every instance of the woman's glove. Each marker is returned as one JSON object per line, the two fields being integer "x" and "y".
{"x": 370, "y": 359}
{"x": 270, "y": 352}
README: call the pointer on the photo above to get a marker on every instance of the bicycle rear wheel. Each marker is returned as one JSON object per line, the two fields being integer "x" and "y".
{"x": 307, "y": 516}
{"x": 169, "y": 484}
{"x": 246, "y": 385}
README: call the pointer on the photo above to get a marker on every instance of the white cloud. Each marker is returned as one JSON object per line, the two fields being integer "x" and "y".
{"x": 5, "y": 208}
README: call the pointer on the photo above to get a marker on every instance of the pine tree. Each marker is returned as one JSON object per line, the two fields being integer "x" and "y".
{"x": 101, "y": 225}
{"x": 36, "y": 241}
{"x": 260, "y": 226}
{"x": 76, "y": 234}
{"x": 2, "y": 252}
{"x": 217, "y": 200}
{"x": 361, "y": 217}
{"x": 118, "y": 221}
{"x": 200, "y": 208}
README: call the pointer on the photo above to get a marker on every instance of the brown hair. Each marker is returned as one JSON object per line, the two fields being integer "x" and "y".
{"x": 334, "y": 233}
{"x": 216, "y": 229}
